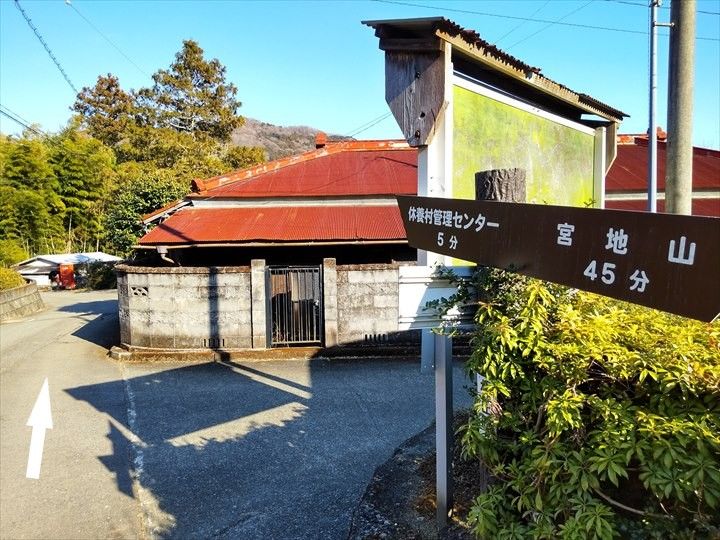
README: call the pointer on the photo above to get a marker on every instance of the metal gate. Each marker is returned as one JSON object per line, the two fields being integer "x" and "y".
{"x": 295, "y": 305}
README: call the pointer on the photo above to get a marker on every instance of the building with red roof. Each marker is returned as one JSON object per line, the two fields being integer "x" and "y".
{"x": 337, "y": 200}
{"x": 260, "y": 256}
{"x": 626, "y": 181}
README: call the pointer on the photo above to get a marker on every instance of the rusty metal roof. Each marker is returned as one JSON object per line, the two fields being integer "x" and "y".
{"x": 470, "y": 42}
{"x": 285, "y": 224}
{"x": 348, "y": 168}
{"x": 629, "y": 170}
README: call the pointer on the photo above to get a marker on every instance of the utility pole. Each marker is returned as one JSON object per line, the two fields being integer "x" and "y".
{"x": 678, "y": 175}
{"x": 652, "y": 129}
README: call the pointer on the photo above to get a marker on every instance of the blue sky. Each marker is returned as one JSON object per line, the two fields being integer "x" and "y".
{"x": 315, "y": 64}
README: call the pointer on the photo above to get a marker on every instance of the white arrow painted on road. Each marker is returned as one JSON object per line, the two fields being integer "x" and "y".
{"x": 40, "y": 420}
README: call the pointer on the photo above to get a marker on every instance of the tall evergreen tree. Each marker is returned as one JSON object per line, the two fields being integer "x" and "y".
{"x": 192, "y": 96}
{"x": 106, "y": 110}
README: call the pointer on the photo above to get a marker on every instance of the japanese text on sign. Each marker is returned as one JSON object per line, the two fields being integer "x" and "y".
{"x": 663, "y": 261}
{"x": 450, "y": 220}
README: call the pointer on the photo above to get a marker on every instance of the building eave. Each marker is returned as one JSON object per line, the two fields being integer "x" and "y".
{"x": 426, "y": 34}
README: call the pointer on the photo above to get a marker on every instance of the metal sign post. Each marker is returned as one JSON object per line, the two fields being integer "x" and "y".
{"x": 443, "y": 427}
{"x": 664, "y": 261}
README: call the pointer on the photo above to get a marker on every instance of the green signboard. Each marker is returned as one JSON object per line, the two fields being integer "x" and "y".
{"x": 490, "y": 132}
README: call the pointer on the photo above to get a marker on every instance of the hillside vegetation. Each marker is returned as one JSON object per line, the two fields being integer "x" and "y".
{"x": 277, "y": 141}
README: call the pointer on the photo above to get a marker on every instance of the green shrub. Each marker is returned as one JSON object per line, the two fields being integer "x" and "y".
{"x": 101, "y": 275}
{"x": 9, "y": 279}
{"x": 11, "y": 252}
{"x": 598, "y": 419}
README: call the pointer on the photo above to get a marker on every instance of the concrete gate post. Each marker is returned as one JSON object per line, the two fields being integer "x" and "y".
{"x": 258, "y": 298}
{"x": 330, "y": 302}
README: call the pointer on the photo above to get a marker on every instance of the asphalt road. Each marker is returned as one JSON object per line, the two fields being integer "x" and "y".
{"x": 263, "y": 449}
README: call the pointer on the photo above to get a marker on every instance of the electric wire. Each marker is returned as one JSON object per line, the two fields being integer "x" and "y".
{"x": 20, "y": 120}
{"x": 8, "y": 109}
{"x": 550, "y": 24}
{"x": 369, "y": 124}
{"x": 522, "y": 23}
{"x": 642, "y": 5}
{"x": 45, "y": 45}
{"x": 102, "y": 35}
{"x": 515, "y": 18}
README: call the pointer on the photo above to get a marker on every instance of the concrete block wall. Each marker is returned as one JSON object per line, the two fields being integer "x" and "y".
{"x": 19, "y": 302}
{"x": 367, "y": 302}
{"x": 178, "y": 307}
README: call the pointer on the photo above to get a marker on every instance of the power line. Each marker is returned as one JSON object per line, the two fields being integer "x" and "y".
{"x": 549, "y": 25}
{"x": 644, "y": 5}
{"x": 47, "y": 48}
{"x": 368, "y": 124}
{"x": 519, "y": 25}
{"x": 515, "y": 18}
{"x": 102, "y": 35}
{"x": 13, "y": 112}
{"x": 19, "y": 120}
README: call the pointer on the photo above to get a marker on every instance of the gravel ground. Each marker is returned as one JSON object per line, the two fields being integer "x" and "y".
{"x": 399, "y": 502}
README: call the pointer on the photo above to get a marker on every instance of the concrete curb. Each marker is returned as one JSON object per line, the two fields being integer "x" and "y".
{"x": 142, "y": 354}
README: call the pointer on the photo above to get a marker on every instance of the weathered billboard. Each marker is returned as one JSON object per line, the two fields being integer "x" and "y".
{"x": 491, "y": 131}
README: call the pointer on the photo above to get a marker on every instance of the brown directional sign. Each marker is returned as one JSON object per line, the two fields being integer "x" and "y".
{"x": 664, "y": 261}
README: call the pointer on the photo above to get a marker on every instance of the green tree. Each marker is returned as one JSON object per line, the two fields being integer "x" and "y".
{"x": 181, "y": 153}
{"x": 84, "y": 169}
{"x": 192, "y": 96}
{"x": 26, "y": 217}
{"x": 239, "y": 157}
{"x": 106, "y": 110}
{"x": 30, "y": 209}
{"x": 26, "y": 165}
{"x": 141, "y": 192}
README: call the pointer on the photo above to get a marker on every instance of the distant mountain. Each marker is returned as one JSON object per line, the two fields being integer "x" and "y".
{"x": 278, "y": 141}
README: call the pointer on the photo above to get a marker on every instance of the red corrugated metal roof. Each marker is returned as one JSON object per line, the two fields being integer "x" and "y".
{"x": 378, "y": 172}
{"x": 335, "y": 168}
{"x": 629, "y": 171}
{"x": 278, "y": 224}
{"x": 700, "y": 207}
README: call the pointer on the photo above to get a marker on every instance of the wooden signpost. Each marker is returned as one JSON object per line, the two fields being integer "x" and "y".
{"x": 664, "y": 261}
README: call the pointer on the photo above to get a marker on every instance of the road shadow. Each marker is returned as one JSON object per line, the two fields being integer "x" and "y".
{"x": 103, "y": 330}
{"x": 102, "y": 326}
{"x": 96, "y": 307}
{"x": 117, "y": 461}
{"x": 268, "y": 450}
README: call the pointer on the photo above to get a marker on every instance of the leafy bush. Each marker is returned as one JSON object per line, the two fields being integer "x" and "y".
{"x": 140, "y": 195}
{"x": 101, "y": 275}
{"x": 11, "y": 252}
{"x": 9, "y": 279}
{"x": 597, "y": 418}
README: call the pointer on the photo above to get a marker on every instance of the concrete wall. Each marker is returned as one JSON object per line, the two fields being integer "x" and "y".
{"x": 20, "y": 302}
{"x": 226, "y": 307}
{"x": 180, "y": 308}
{"x": 367, "y": 303}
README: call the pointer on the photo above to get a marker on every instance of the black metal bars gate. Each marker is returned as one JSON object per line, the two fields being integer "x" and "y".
{"x": 296, "y": 305}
